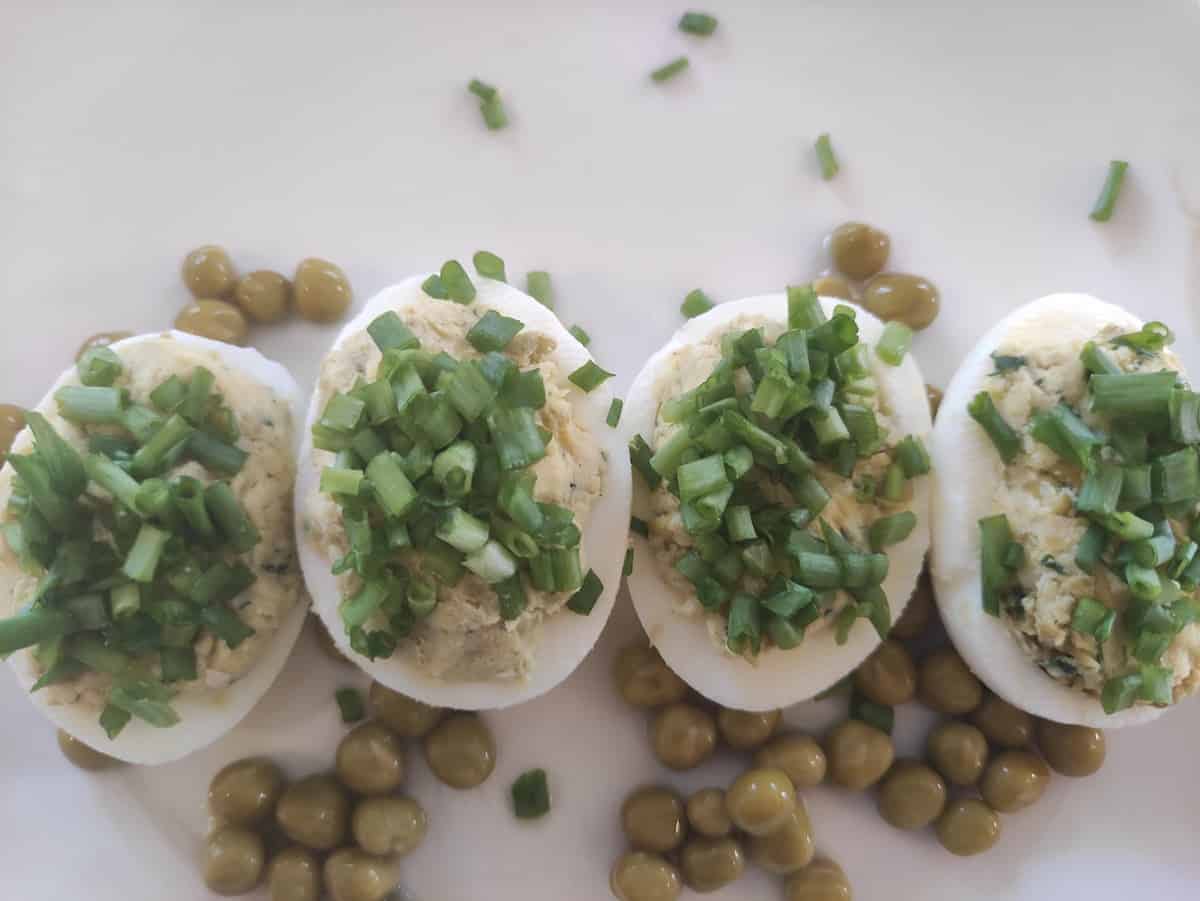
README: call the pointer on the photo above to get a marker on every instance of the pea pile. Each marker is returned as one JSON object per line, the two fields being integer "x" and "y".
{"x": 341, "y": 832}
{"x": 704, "y": 841}
{"x": 225, "y": 304}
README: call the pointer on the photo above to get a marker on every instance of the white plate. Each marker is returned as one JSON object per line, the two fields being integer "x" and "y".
{"x": 977, "y": 133}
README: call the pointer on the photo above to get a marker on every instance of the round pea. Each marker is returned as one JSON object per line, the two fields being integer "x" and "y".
{"x": 233, "y": 860}
{"x": 858, "y": 754}
{"x": 354, "y": 875}
{"x": 263, "y": 295}
{"x": 321, "y": 290}
{"x": 859, "y": 250}
{"x": 821, "y": 880}
{"x": 405, "y": 716}
{"x": 711, "y": 863}
{"x": 788, "y": 848}
{"x": 706, "y": 813}
{"x": 1071, "y": 750}
{"x": 888, "y": 676}
{"x": 911, "y": 796}
{"x": 1014, "y": 780}
{"x": 644, "y": 680}
{"x": 246, "y": 791}
{"x": 217, "y": 320}
{"x": 638, "y": 876}
{"x": 761, "y": 801}
{"x": 945, "y": 684}
{"x": 294, "y": 874}
{"x": 388, "y": 826}
{"x": 12, "y": 420}
{"x": 314, "y": 812}
{"x": 461, "y": 751}
{"x": 917, "y": 612}
{"x": 84, "y": 755}
{"x": 1003, "y": 724}
{"x": 968, "y": 826}
{"x": 744, "y": 730}
{"x": 833, "y": 286}
{"x": 370, "y": 759}
{"x": 208, "y": 272}
{"x": 653, "y": 820}
{"x": 934, "y": 394}
{"x": 904, "y": 298}
{"x": 959, "y": 751}
{"x": 800, "y": 756}
{"x": 684, "y": 736}
{"x": 100, "y": 339}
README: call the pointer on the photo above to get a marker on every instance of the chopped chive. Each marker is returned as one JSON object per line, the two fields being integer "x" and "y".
{"x": 614, "y": 412}
{"x": 390, "y": 486}
{"x": 994, "y": 539}
{"x": 230, "y": 518}
{"x": 1156, "y": 685}
{"x": 589, "y": 592}
{"x": 463, "y": 531}
{"x": 145, "y": 700}
{"x": 700, "y": 24}
{"x": 511, "y": 595}
{"x": 1143, "y": 581}
{"x": 113, "y": 720}
{"x": 454, "y": 468}
{"x": 531, "y": 795}
{"x": 641, "y": 457}
{"x": 1101, "y": 490}
{"x": 194, "y": 406}
{"x": 99, "y": 367}
{"x": 539, "y": 287}
{"x": 589, "y": 376}
{"x": 62, "y": 461}
{"x": 743, "y": 629}
{"x": 1176, "y": 477}
{"x": 493, "y": 332}
{"x": 214, "y": 454}
{"x": 1149, "y": 339}
{"x": 695, "y": 304}
{"x": 342, "y": 481}
{"x": 177, "y": 664}
{"x": 1096, "y": 361}
{"x": 515, "y": 434}
{"x": 434, "y": 287}
{"x": 492, "y": 563}
{"x": 1091, "y": 546}
{"x": 1061, "y": 430}
{"x": 826, "y": 157}
{"x": 32, "y": 626}
{"x": 670, "y": 70}
{"x": 494, "y": 115}
{"x": 456, "y": 282}
{"x": 1126, "y": 526}
{"x": 1120, "y": 692}
{"x": 804, "y": 308}
{"x": 1006, "y": 441}
{"x": 350, "y": 703}
{"x": 1144, "y": 395}
{"x": 143, "y": 557}
{"x": 1185, "y": 416}
{"x": 1107, "y": 201}
{"x": 580, "y": 335}
{"x": 91, "y": 406}
{"x": 914, "y": 460}
{"x": 894, "y": 343}
{"x": 488, "y": 265}
{"x": 892, "y": 529}
{"x": 481, "y": 89}
{"x": 389, "y": 332}
{"x": 1089, "y": 616}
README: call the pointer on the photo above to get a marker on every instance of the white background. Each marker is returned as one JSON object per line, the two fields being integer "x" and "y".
{"x": 978, "y": 134}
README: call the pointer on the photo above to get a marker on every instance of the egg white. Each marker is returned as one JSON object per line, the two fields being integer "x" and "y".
{"x": 966, "y": 469}
{"x": 203, "y": 718}
{"x": 566, "y": 637}
{"x": 777, "y": 678}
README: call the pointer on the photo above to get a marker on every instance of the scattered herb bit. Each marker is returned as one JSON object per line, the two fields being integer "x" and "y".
{"x": 894, "y": 343}
{"x": 589, "y": 376}
{"x": 1107, "y": 201}
{"x": 539, "y": 287}
{"x": 434, "y": 288}
{"x": 585, "y": 598}
{"x": 480, "y": 89}
{"x": 580, "y": 335}
{"x": 614, "y": 412}
{"x": 826, "y": 157}
{"x": 1150, "y": 339}
{"x": 670, "y": 70}
{"x": 456, "y": 282}
{"x": 488, "y": 265}
{"x": 701, "y": 24}
{"x": 1051, "y": 564}
{"x": 695, "y": 304}
{"x": 531, "y": 795}
{"x": 350, "y": 702}
{"x": 1006, "y": 441}
{"x": 1006, "y": 363}
{"x": 627, "y": 568}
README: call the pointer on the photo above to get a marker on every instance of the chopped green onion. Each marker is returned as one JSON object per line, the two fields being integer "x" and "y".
{"x": 539, "y": 287}
{"x": 350, "y": 703}
{"x": 169, "y": 394}
{"x": 568, "y": 574}
{"x": 32, "y": 626}
{"x": 1185, "y": 416}
{"x": 391, "y": 487}
{"x": 639, "y": 526}
{"x": 494, "y": 116}
{"x": 743, "y": 629}
{"x": 214, "y": 454}
{"x": 492, "y": 562}
{"x": 62, "y": 461}
{"x": 91, "y": 406}
{"x": 1097, "y": 361}
{"x": 230, "y": 518}
{"x": 344, "y": 413}
{"x": 481, "y": 89}
{"x": 517, "y": 440}
{"x": 1156, "y": 685}
{"x": 888, "y": 530}
{"x": 531, "y": 795}
{"x": 994, "y": 539}
{"x": 817, "y": 570}
{"x": 113, "y": 720}
{"x": 739, "y": 524}
{"x": 488, "y": 265}
{"x": 1101, "y": 490}
{"x": 511, "y": 595}
{"x": 389, "y": 332}
{"x": 700, "y": 24}
{"x": 146, "y": 700}
{"x": 670, "y": 70}
{"x": 177, "y": 664}
{"x": 493, "y": 332}
{"x": 1091, "y": 546}
{"x": 614, "y": 412}
{"x": 342, "y": 481}
{"x": 580, "y": 335}
{"x": 456, "y": 282}
{"x": 143, "y": 557}
{"x": 1006, "y": 441}
{"x": 195, "y": 404}
{"x": 1142, "y": 395}
{"x": 695, "y": 304}
{"x": 804, "y": 308}
{"x": 98, "y": 367}
{"x": 1176, "y": 477}
{"x": 1120, "y": 692}
{"x": 434, "y": 287}
{"x": 1151, "y": 338}
{"x": 583, "y": 600}
{"x": 454, "y": 468}
{"x": 125, "y": 600}
{"x": 1061, "y": 430}
{"x": 1126, "y": 526}
{"x": 1143, "y": 581}
{"x": 1107, "y": 201}
{"x": 914, "y": 460}
{"x": 894, "y": 343}
{"x": 641, "y": 458}
{"x": 463, "y": 531}
{"x": 826, "y": 157}
{"x": 701, "y": 477}
{"x": 1089, "y": 616}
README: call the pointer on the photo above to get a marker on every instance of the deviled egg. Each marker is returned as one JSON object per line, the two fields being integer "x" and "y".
{"x": 782, "y": 491}
{"x": 148, "y": 575}
{"x": 1066, "y": 488}
{"x": 463, "y": 501}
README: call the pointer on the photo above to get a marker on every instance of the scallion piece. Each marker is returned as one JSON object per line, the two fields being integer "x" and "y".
{"x": 391, "y": 487}
{"x": 804, "y": 308}
{"x": 696, "y": 303}
{"x": 389, "y": 332}
{"x": 511, "y": 595}
{"x": 613, "y": 418}
{"x": 62, "y": 461}
{"x": 580, "y": 335}
{"x": 583, "y": 600}
{"x": 826, "y": 157}
{"x": 701, "y": 477}
{"x": 194, "y": 406}
{"x": 531, "y": 795}
{"x": 1141, "y": 395}
{"x": 589, "y": 376}
{"x": 1097, "y": 361}
{"x": 700, "y": 24}
{"x": 91, "y": 406}
{"x": 454, "y": 468}
{"x": 434, "y": 288}
{"x": 169, "y": 394}
{"x": 1176, "y": 476}
{"x": 492, "y": 562}
{"x": 894, "y": 343}
{"x": 493, "y": 332}
{"x": 488, "y": 265}
{"x": 494, "y": 115}
{"x": 342, "y": 481}
{"x": 1006, "y": 441}
{"x": 994, "y": 539}
{"x": 1149, "y": 339}
{"x": 1126, "y": 526}
{"x": 99, "y": 367}
{"x": 113, "y": 720}
{"x": 1143, "y": 581}
{"x": 455, "y": 280}
{"x": 568, "y": 573}
{"x": 669, "y": 70}
{"x": 142, "y": 560}
{"x": 888, "y": 530}
{"x": 641, "y": 457}
{"x": 1101, "y": 490}
{"x": 90, "y": 650}
{"x": 463, "y": 531}
{"x": 910, "y": 453}
{"x": 877, "y": 716}
{"x": 350, "y": 704}
{"x": 1061, "y": 430}
{"x": 738, "y": 523}
{"x": 214, "y": 454}
{"x": 540, "y": 288}
{"x": 516, "y": 437}
{"x": 1089, "y": 616}
{"x": 1120, "y": 692}
{"x": 1102, "y": 210}
{"x": 230, "y": 518}
{"x": 817, "y": 570}
{"x": 743, "y": 628}
{"x": 481, "y": 89}
{"x": 1090, "y": 547}
{"x": 32, "y": 626}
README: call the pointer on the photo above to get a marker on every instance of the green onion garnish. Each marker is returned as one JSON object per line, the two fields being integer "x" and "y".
{"x": 1143, "y": 395}
{"x": 892, "y": 529}
{"x": 1120, "y": 692}
{"x": 539, "y": 287}
{"x": 389, "y": 332}
{"x": 1006, "y": 441}
{"x": 701, "y": 24}
{"x": 826, "y": 157}
{"x": 1107, "y": 201}
{"x": 1061, "y": 430}
{"x": 99, "y": 367}
{"x": 670, "y": 70}
{"x": 614, "y": 412}
{"x": 531, "y": 795}
{"x": 585, "y": 598}
{"x": 695, "y": 304}
{"x": 434, "y": 288}
{"x": 481, "y": 89}
{"x": 488, "y": 265}
{"x": 494, "y": 115}
{"x": 493, "y": 332}
{"x": 1150, "y": 339}
{"x": 456, "y": 282}
{"x": 1101, "y": 490}
{"x": 894, "y": 343}
{"x": 994, "y": 539}
{"x": 350, "y": 703}
{"x": 580, "y": 335}
{"x": 589, "y": 376}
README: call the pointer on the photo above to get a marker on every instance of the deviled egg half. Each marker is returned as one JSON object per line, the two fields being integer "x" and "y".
{"x": 1067, "y": 481}
{"x": 781, "y": 483}
{"x": 463, "y": 502}
{"x": 148, "y": 575}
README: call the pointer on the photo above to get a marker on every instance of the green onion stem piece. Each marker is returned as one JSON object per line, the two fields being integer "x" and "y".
{"x": 515, "y": 435}
{"x": 91, "y": 406}
{"x": 531, "y": 795}
{"x": 169, "y": 394}
{"x": 994, "y": 539}
{"x": 149, "y": 459}
{"x": 1097, "y": 362}
{"x": 112, "y": 478}
{"x": 434, "y": 288}
{"x": 455, "y": 279}
{"x": 511, "y": 594}
{"x": 488, "y": 265}
{"x": 700, "y": 24}
{"x": 62, "y": 460}
{"x": 696, "y": 303}
{"x": 669, "y": 70}
{"x": 1119, "y": 692}
{"x": 1107, "y": 201}
{"x": 1143, "y": 581}
{"x": 701, "y": 477}
{"x": 1126, "y": 526}
{"x": 826, "y": 157}
{"x": 589, "y": 376}
{"x": 214, "y": 454}
{"x": 125, "y": 600}
{"x": 641, "y": 458}
{"x": 59, "y": 512}
{"x": 481, "y": 89}
{"x": 894, "y": 343}
{"x": 188, "y": 495}
{"x": 1143, "y": 395}
{"x": 888, "y": 530}
{"x": 1006, "y": 441}
{"x": 743, "y": 628}
{"x": 613, "y": 418}
{"x": 154, "y": 500}
{"x": 350, "y": 704}
{"x": 389, "y": 332}
{"x": 493, "y": 332}
{"x": 1101, "y": 490}
{"x": 910, "y": 453}
{"x": 540, "y": 288}
{"x": 463, "y": 531}
{"x": 391, "y": 487}
{"x": 142, "y": 559}
{"x": 454, "y": 468}
{"x": 1061, "y": 430}
{"x": 230, "y": 518}
{"x": 32, "y": 626}
{"x": 99, "y": 367}
{"x": 583, "y": 600}
{"x": 1175, "y": 477}
{"x": 194, "y": 407}
{"x": 1091, "y": 546}
{"x": 493, "y": 112}
{"x": 492, "y": 562}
